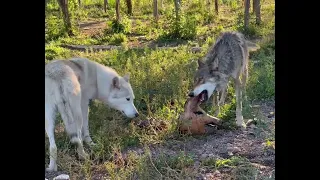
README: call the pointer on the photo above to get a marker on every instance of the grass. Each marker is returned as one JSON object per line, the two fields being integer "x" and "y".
{"x": 241, "y": 168}
{"x": 158, "y": 78}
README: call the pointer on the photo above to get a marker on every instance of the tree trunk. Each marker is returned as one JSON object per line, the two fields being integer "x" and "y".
{"x": 79, "y": 2}
{"x": 105, "y": 5}
{"x": 257, "y": 7}
{"x": 208, "y": 5}
{"x": 246, "y": 13}
{"x": 155, "y": 10}
{"x": 45, "y": 7}
{"x": 216, "y": 6}
{"x": 118, "y": 10}
{"x": 129, "y": 5}
{"x": 66, "y": 17}
{"x": 46, "y": 4}
{"x": 177, "y": 8}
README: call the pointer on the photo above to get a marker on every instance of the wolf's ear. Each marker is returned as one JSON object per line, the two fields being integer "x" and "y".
{"x": 126, "y": 77}
{"x": 200, "y": 64}
{"x": 116, "y": 82}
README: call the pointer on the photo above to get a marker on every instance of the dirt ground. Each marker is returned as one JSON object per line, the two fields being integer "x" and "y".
{"x": 221, "y": 144}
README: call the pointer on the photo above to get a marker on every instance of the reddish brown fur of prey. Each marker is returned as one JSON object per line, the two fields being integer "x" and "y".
{"x": 193, "y": 123}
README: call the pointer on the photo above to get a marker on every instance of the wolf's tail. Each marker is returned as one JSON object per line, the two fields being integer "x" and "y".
{"x": 252, "y": 46}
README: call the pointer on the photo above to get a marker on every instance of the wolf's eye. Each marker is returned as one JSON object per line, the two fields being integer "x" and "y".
{"x": 128, "y": 99}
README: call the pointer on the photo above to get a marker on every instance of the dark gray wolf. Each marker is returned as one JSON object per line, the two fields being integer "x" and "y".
{"x": 69, "y": 85}
{"x": 228, "y": 57}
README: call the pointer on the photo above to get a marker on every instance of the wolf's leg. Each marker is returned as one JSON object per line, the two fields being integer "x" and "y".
{"x": 220, "y": 100}
{"x": 239, "y": 117}
{"x": 85, "y": 128}
{"x": 77, "y": 115}
{"x": 244, "y": 81}
{"x": 223, "y": 95}
{"x": 214, "y": 99}
{"x": 218, "y": 104}
{"x": 49, "y": 125}
{"x": 72, "y": 116}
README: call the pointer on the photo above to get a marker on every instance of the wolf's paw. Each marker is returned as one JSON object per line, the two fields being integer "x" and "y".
{"x": 51, "y": 168}
{"x": 89, "y": 141}
{"x": 91, "y": 144}
{"x": 83, "y": 155}
{"x": 240, "y": 123}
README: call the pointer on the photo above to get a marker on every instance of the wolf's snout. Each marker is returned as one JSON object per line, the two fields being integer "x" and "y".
{"x": 191, "y": 94}
{"x": 137, "y": 114}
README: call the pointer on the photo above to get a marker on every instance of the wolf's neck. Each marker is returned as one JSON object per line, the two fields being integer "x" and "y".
{"x": 104, "y": 81}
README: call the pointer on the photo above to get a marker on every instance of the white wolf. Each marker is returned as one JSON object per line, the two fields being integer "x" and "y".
{"x": 69, "y": 85}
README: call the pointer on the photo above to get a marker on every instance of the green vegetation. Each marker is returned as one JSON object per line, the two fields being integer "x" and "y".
{"x": 159, "y": 76}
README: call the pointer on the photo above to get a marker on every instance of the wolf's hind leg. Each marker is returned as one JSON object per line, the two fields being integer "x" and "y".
{"x": 85, "y": 127}
{"x": 239, "y": 117}
{"x": 49, "y": 126}
{"x": 72, "y": 116}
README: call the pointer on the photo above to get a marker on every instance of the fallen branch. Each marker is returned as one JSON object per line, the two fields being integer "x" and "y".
{"x": 95, "y": 48}
{"x": 91, "y": 47}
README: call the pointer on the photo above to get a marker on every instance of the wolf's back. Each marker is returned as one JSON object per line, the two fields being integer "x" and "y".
{"x": 236, "y": 38}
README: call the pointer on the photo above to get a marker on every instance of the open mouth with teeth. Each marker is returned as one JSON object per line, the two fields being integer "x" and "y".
{"x": 203, "y": 96}
{"x": 192, "y": 104}
{"x": 201, "y": 122}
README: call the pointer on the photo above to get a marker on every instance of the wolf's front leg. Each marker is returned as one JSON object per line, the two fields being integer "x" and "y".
{"x": 216, "y": 98}
{"x": 223, "y": 95}
{"x": 239, "y": 117}
{"x": 85, "y": 128}
{"x": 244, "y": 81}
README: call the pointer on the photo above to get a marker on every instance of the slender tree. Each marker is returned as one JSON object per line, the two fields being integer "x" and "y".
{"x": 105, "y": 5}
{"x": 177, "y": 8}
{"x": 118, "y": 10}
{"x": 66, "y": 16}
{"x": 155, "y": 10}
{"x": 129, "y": 6}
{"x": 216, "y": 6}
{"x": 256, "y": 9}
{"x": 246, "y": 13}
